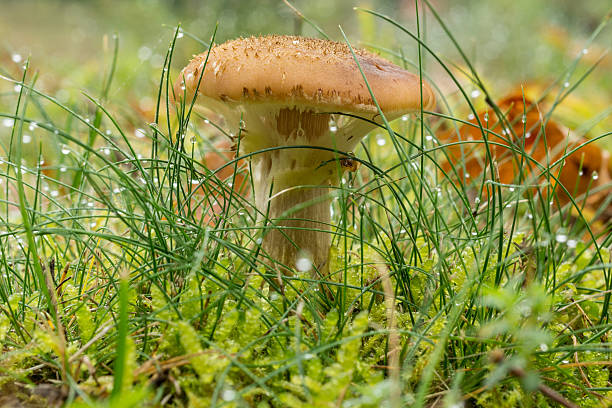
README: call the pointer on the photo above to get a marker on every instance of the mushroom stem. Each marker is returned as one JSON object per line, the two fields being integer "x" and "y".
{"x": 297, "y": 205}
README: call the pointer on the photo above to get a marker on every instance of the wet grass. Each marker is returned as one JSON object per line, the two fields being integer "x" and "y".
{"x": 117, "y": 289}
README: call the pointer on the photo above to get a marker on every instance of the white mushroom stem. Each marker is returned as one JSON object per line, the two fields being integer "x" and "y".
{"x": 297, "y": 205}
{"x": 292, "y": 183}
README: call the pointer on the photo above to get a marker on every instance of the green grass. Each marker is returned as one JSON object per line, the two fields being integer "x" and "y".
{"x": 115, "y": 290}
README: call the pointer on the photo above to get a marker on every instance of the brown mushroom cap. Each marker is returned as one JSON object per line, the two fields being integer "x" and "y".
{"x": 319, "y": 74}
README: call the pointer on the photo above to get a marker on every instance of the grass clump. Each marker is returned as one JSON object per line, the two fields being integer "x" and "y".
{"x": 120, "y": 287}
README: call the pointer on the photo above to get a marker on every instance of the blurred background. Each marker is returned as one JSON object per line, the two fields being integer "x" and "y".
{"x": 511, "y": 43}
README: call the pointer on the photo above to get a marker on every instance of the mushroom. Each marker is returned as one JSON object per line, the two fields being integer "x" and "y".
{"x": 217, "y": 161}
{"x": 300, "y": 102}
{"x": 585, "y": 172}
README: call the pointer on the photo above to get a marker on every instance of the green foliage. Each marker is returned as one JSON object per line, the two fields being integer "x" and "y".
{"x": 437, "y": 273}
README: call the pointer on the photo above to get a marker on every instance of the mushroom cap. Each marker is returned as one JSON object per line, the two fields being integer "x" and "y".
{"x": 296, "y": 71}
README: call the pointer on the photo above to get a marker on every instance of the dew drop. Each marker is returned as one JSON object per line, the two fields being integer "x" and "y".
{"x": 17, "y": 88}
{"x": 524, "y": 119}
{"x": 475, "y": 93}
{"x": 65, "y": 150}
{"x": 581, "y": 173}
{"x": 8, "y": 122}
{"x": 107, "y": 151}
{"x": 527, "y": 135}
{"x": 543, "y": 347}
{"x": 140, "y": 133}
{"x": 429, "y": 138}
{"x": 93, "y": 224}
{"x": 228, "y": 395}
{"x": 566, "y": 84}
{"x": 561, "y": 238}
{"x": 471, "y": 116}
{"x": 333, "y": 128}
{"x": 144, "y": 53}
{"x": 404, "y": 118}
{"x": 380, "y": 141}
{"x": 180, "y": 35}
{"x": 32, "y": 126}
{"x": 571, "y": 243}
{"x": 54, "y": 193}
{"x": 585, "y": 51}
{"x": 486, "y": 117}
{"x": 63, "y": 169}
{"x": 16, "y": 58}
{"x": 303, "y": 264}
{"x": 595, "y": 175}
{"x": 27, "y": 139}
